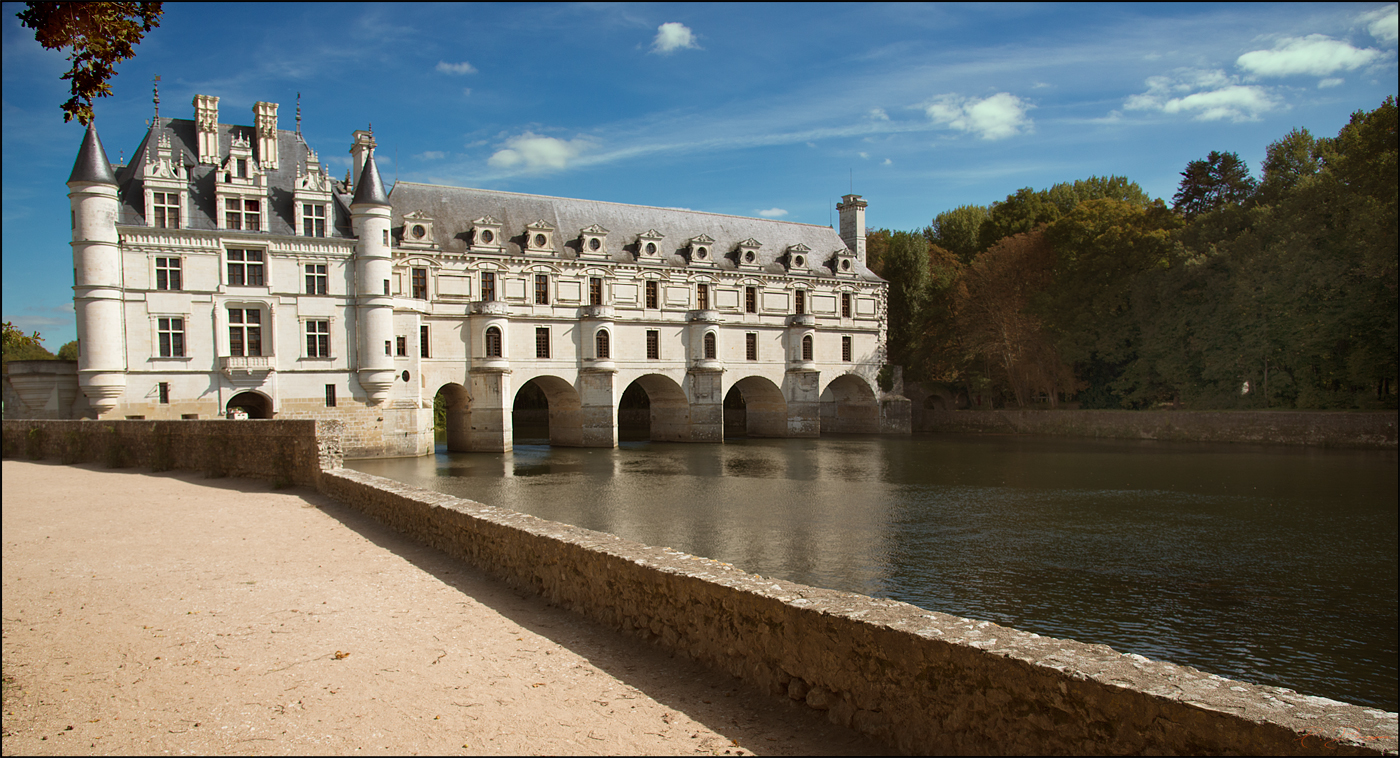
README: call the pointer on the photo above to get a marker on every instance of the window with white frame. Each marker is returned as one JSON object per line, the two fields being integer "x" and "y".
{"x": 602, "y": 345}
{"x": 493, "y": 342}
{"x": 318, "y": 339}
{"x": 243, "y": 215}
{"x": 541, "y": 342}
{"x": 313, "y": 220}
{"x": 166, "y": 209}
{"x": 167, "y": 273}
{"x": 245, "y": 331}
{"x": 653, "y": 344}
{"x": 317, "y": 282}
{"x": 170, "y": 334}
{"x": 245, "y": 268}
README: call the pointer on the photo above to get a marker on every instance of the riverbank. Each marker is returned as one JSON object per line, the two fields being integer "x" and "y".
{"x": 1356, "y": 429}
{"x": 148, "y": 613}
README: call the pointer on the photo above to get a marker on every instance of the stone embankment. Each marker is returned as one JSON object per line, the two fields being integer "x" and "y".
{"x": 922, "y": 681}
{"x": 1360, "y": 429}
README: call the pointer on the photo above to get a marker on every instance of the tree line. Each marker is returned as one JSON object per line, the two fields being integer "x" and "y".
{"x": 1244, "y": 293}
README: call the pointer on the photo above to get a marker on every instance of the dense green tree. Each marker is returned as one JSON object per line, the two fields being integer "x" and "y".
{"x": 1027, "y": 209}
{"x": 18, "y": 346}
{"x": 956, "y": 231}
{"x": 69, "y": 351}
{"x": 1286, "y": 163}
{"x": 907, "y": 270}
{"x": 100, "y": 36}
{"x": 1207, "y": 185}
{"x": 877, "y": 241}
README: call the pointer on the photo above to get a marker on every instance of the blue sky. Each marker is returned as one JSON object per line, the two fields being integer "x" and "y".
{"x": 773, "y": 110}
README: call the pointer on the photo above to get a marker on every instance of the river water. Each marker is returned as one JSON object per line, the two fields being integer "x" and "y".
{"x": 1271, "y": 565}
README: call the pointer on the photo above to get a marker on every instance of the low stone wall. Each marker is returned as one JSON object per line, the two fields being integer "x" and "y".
{"x": 285, "y": 452}
{"x": 1373, "y": 429}
{"x": 922, "y": 681}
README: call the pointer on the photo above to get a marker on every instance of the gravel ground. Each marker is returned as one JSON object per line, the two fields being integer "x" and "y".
{"x": 165, "y": 613}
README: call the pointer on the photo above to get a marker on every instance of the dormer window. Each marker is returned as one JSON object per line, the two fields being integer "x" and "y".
{"x": 486, "y": 236}
{"x": 417, "y": 231}
{"x": 702, "y": 250}
{"x": 244, "y": 215}
{"x": 649, "y": 245}
{"x": 167, "y": 209}
{"x": 593, "y": 241}
{"x": 797, "y": 257}
{"x": 313, "y": 219}
{"x": 311, "y": 198}
{"x": 746, "y": 254}
{"x": 165, "y": 185}
{"x": 843, "y": 262}
{"x": 539, "y": 238}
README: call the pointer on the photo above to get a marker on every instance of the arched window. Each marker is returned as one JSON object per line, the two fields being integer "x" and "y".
{"x": 709, "y": 346}
{"x": 807, "y": 347}
{"x": 493, "y": 342}
{"x": 600, "y": 342}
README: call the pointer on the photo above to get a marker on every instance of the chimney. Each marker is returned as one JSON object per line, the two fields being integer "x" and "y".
{"x": 206, "y": 119}
{"x": 852, "y": 210}
{"x": 265, "y": 116}
{"x": 360, "y": 149}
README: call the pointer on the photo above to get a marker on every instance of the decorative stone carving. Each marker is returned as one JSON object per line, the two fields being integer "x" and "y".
{"x": 539, "y": 238}
{"x": 701, "y": 250}
{"x": 486, "y": 236}
{"x": 649, "y": 246}
{"x": 746, "y": 254}
{"x": 417, "y": 231}
{"x": 593, "y": 242}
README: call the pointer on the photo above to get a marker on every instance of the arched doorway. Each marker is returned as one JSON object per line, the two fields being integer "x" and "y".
{"x": 547, "y": 409}
{"x": 760, "y": 405}
{"x": 849, "y": 406}
{"x": 654, "y": 407}
{"x": 452, "y": 418}
{"x": 256, "y": 404}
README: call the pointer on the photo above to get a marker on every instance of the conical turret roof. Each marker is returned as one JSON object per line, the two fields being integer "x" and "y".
{"x": 370, "y": 189}
{"x": 92, "y": 165}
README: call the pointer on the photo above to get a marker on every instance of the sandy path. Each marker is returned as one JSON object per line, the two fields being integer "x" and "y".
{"x": 155, "y": 613}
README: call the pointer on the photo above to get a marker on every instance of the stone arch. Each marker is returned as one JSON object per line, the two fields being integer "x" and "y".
{"x": 764, "y": 409}
{"x": 563, "y": 412}
{"x": 255, "y": 403}
{"x": 667, "y": 417}
{"x": 453, "y": 402}
{"x": 849, "y": 406}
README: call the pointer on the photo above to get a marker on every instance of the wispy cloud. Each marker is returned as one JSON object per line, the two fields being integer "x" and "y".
{"x": 1315, "y": 54}
{"x": 1208, "y": 95}
{"x": 431, "y": 155}
{"x": 672, "y": 36}
{"x": 997, "y": 117}
{"x": 535, "y": 152}
{"x": 772, "y": 213}
{"x": 456, "y": 69}
{"x": 879, "y": 113}
{"x": 1325, "y": 83}
{"x": 1383, "y": 23}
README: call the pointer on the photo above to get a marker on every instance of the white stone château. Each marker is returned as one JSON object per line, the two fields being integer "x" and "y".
{"x": 224, "y": 268}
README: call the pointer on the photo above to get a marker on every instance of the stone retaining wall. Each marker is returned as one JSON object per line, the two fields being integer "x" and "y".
{"x": 921, "y": 681}
{"x": 285, "y": 452}
{"x": 1374, "y": 429}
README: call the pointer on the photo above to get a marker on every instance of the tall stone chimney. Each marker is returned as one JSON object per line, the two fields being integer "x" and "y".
{"x": 265, "y": 117}
{"x": 206, "y": 119}
{"x": 360, "y": 149}
{"x": 852, "y": 210}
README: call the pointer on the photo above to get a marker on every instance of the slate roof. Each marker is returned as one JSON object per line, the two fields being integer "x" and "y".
{"x": 278, "y": 219}
{"x": 369, "y": 188}
{"x": 92, "y": 165}
{"x": 453, "y": 209}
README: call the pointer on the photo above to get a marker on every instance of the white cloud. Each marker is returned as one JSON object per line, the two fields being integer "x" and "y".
{"x": 772, "y": 213}
{"x": 997, "y": 117}
{"x": 432, "y": 155}
{"x": 466, "y": 91}
{"x": 1208, "y": 95}
{"x": 887, "y": 162}
{"x": 456, "y": 68}
{"x": 672, "y": 36}
{"x": 534, "y": 151}
{"x": 1315, "y": 54}
{"x": 879, "y": 113}
{"x": 864, "y": 155}
{"x": 1325, "y": 83}
{"x": 1382, "y": 23}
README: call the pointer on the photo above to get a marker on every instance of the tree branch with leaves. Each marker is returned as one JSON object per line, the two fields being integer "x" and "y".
{"x": 100, "y": 35}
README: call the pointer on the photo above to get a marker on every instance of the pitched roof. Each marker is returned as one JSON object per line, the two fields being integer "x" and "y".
{"x": 369, "y": 189}
{"x": 453, "y": 209}
{"x": 92, "y": 165}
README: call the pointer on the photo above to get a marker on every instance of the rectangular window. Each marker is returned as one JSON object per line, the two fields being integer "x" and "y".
{"x": 595, "y": 291}
{"x": 845, "y": 305}
{"x": 702, "y": 296}
{"x": 167, "y": 209}
{"x": 846, "y": 349}
{"x": 316, "y": 280}
{"x": 318, "y": 339}
{"x": 240, "y": 168}
{"x": 541, "y": 342}
{"x": 751, "y": 347}
{"x": 245, "y": 268}
{"x": 488, "y": 286}
{"x": 233, "y": 214}
{"x": 401, "y": 346}
{"x": 388, "y": 347}
{"x": 167, "y": 273}
{"x": 240, "y": 214}
{"x": 750, "y": 300}
{"x": 171, "y": 335}
{"x": 799, "y": 300}
{"x": 652, "y": 294}
{"x": 330, "y": 395}
{"x": 386, "y": 238}
{"x": 244, "y": 331}
{"x": 164, "y": 390}
{"x": 420, "y": 284}
{"x": 541, "y": 289}
{"x": 653, "y": 345}
{"x": 313, "y": 219}
{"x": 423, "y": 341}
{"x": 386, "y": 287}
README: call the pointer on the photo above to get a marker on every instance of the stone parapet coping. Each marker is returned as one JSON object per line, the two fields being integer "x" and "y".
{"x": 922, "y": 681}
